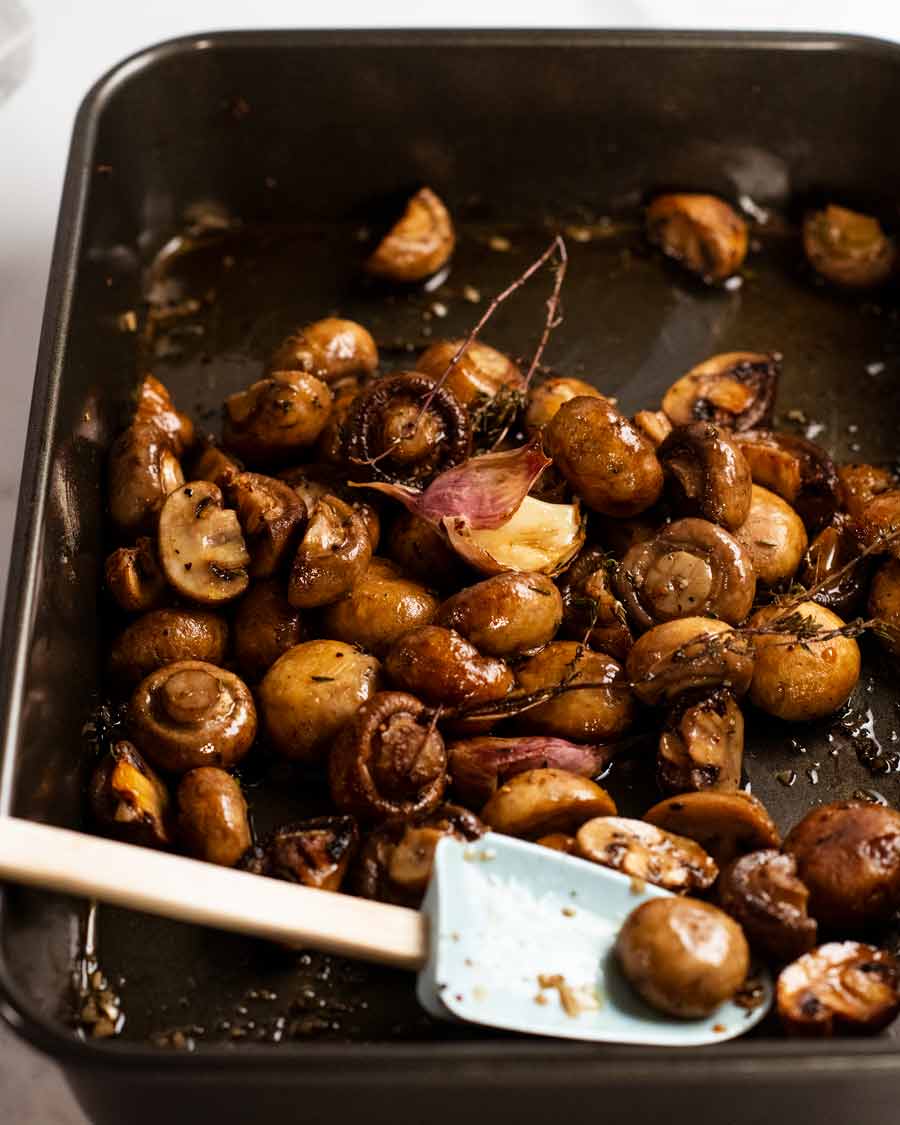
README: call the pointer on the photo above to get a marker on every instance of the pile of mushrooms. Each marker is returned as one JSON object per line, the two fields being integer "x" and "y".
{"x": 351, "y": 579}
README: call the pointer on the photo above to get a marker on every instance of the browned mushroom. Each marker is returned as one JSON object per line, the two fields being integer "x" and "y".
{"x": 842, "y": 987}
{"x": 330, "y": 349}
{"x": 848, "y": 855}
{"x": 646, "y": 853}
{"x": 537, "y": 802}
{"x": 191, "y": 714}
{"x": 559, "y": 842}
{"x": 128, "y": 800}
{"x": 591, "y": 611}
{"x": 706, "y": 474}
{"x": 848, "y": 248}
{"x": 154, "y": 405}
{"x": 215, "y": 465}
{"x": 134, "y": 577}
{"x": 761, "y": 891}
{"x": 879, "y": 523}
{"x": 277, "y": 417}
{"x": 422, "y": 552}
{"x": 266, "y": 625}
{"x": 734, "y": 389}
{"x": 333, "y": 555}
{"x": 702, "y": 746}
{"x": 607, "y": 461}
{"x": 212, "y": 816}
{"x": 725, "y": 824}
{"x": 143, "y": 470}
{"x": 884, "y": 605}
{"x": 772, "y": 536}
{"x": 703, "y": 233}
{"x": 692, "y": 568}
{"x": 201, "y": 547}
{"x": 546, "y": 397}
{"x": 507, "y": 615}
{"x": 654, "y": 425}
{"x": 163, "y": 636}
{"x": 389, "y": 760}
{"x": 687, "y": 655}
{"x": 481, "y": 372}
{"x": 797, "y": 470}
{"x": 314, "y": 482}
{"x": 825, "y": 564}
{"x": 272, "y": 517}
{"x": 314, "y": 853}
{"x": 858, "y": 484}
{"x": 419, "y": 243}
{"x": 618, "y": 536}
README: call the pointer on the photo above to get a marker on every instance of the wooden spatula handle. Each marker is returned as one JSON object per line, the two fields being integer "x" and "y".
{"x": 191, "y": 891}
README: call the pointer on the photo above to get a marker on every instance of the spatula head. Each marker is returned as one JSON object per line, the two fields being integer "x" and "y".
{"x": 522, "y": 937}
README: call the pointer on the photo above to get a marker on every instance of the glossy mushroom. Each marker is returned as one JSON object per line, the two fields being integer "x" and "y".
{"x": 690, "y": 654}
{"x": 265, "y": 626}
{"x": 478, "y": 376}
{"x": 646, "y": 853}
{"x": 422, "y": 552}
{"x": 762, "y": 892}
{"x": 212, "y": 816}
{"x": 272, "y": 517}
{"x": 276, "y": 418}
{"x": 201, "y": 547}
{"x": 134, "y": 577}
{"x": 314, "y": 853}
{"x": 848, "y": 248}
{"x": 654, "y": 425}
{"x": 164, "y": 636}
{"x": 330, "y": 349}
{"x": 143, "y": 470}
{"x": 884, "y": 605}
{"x": 547, "y": 396}
{"x": 537, "y": 802}
{"x": 508, "y": 615}
{"x": 702, "y": 745}
{"x": 154, "y": 405}
{"x": 333, "y": 555}
{"x": 826, "y": 568}
{"x": 706, "y": 474}
{"x": 441, "y": 667}
{"x": 879, "y": 523}
{"x": 418, "y": 244}
{"x": 844, "y": 987}
{"x": 796, "y": 469}
{"x": 215, "y": 465}
{"x": 725, "y": 824}
{"x": 704, "y": 234}
{"x": 773, "y": 537}
{"x": 734, "y": 389}
{"x": 128, "y": 800}
{"x": 592, "y": 612}
{"x": 860, "y": 483}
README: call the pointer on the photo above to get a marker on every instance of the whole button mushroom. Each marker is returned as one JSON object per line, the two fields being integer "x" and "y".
{"x": 128, "y": 800}
{"x": 332, "y": 557}
{"x": 441, "y": 667}
{"x": 265, "y": 626}
{"x": 134, "y": 577}
{"x": 212, "y": 816}
{"x": 191, "y": 714}
{"x": 646, "y": 853}
{"x": 272, "y": 517}
{"x": 330, "y": 349}
{"x": 726, "y": 825}
{"x": 761, "y": 891}
{"x": 706, "y": 474}
{"x": 163, "y": 636}
{"x": 276, "y": 417}
{"x": 143, "y": 470}
{"x": 884, "y": 605}
{"x": 546, "y": 397}
{"x": 311, "y": 692}
{"x": 508, "y": 615}
{"x": 683, "y": 957}
{"x": 848, "y": 248}
{"x": 773, "y": 537}
{"x": 606, "y": 460}
{"x": 201, "y": 547}
{"x": 702, "y": 745}
{"x": 422, "y": 552}
{"x": 879, "y": 523}
{"x": 848, "y": 855}
{"x": 592, "y": 613}
{"x": 795, "y": 676}
{"x": 479, "y": 374}
{"x": 419, "y": 243}
{"x": 843, "y": 986}
{"x": 704, "y": 234}
{"x": 538, "y": 802}
{"x": 314, "y": 853}
{"x": 734, "y": 389}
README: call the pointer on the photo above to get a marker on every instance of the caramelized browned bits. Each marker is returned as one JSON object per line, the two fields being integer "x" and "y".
{"x": 419, "y": 243}
{"x": 591, "y": 611}
{"x": 848, "y": 855}
{"x": 796, "y": 677}
{"x": 440, "y": 666}
{"x": 848, "y": 248}
{"x": 212, "y": 816}
{"x": 725, "y": 824}
{"x": 734, "y": 389}
{"x": 265, "y": 626}
{"x": 190, "y": 714}
{"x": 706, "y": 474}
{"x": 654, "y": 425}
{"x": 884, "y": 605}
{"x": 683, "y": 957}
{"x": 272, "y": 517}
{"x": 843, "y": 987}
{"x": 595, "y": 714}
{"x": 330, "y": 349}
{"x": 773, "y": 537}
{"x": 128, "y": 800}
{"x": 691, "y": 568}
{"x": 163, "y": 636}
{"x": 687, "y": 655}
{"x": 154, "y": 405}
{"x": 546, "y": 397}
{"x": 134, "y": 577}
{"x": 508, "y": 615}
{"x": 333, "y": 555}
{"x": 143, "y": 470}
{"x": 311, "y": 692}
{"x": 825, "y": 567}
{"x": 422, "y": 552}
{"x": 480, "y": 374}
{"x": 314, "y": 853}
{"x": 701, "y": 232}
{"x": 647, "y": 853}
{"x": 761, "y": 891}
{"x": 537, "y": 802}
{"x": 277, "y": 417}
{"x": 606, "y": 460}
{"x": 201, "y": 547}
{"x": 388, "y": 761}
{"x": 702, "y": 745}
{"x": 858, "y": 484}
{"x": 797, "y": 470}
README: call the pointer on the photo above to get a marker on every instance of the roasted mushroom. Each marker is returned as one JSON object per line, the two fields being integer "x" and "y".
{"x": 725, "y": 824}
{"x": 734, "y": 389}
{"x": 333, "y": 555}
{"x": 315, "y": 853}
{"x": 797, "y": 470}
{"x": 331, "y": 444}
{"x": 388, "y": 761}
{"x": 607, "y": 461}
{"x": 848, "y": 248}
{"x": 330, "y": 349}
{"x": 201, "y": 547}
{"x": 773, "y": 537}
{"x": 848, "y": 855}
{"x": 422, "y": 552}
{"x": 272, "y": 517}
{"x": 702, "y": 745}
{"x": 683, "y": 957}
{"x": 706, "y": 474}
{"x": 691, "y": 654}
{"x": 143, "y": 470}
{"x": 479, "y": 374}
{"x": 381, "y": 607}
{"x": 858, "y": 484}
{"x": 419, "y": 243}
{"x": 128, "y": 800}
{"x": 654, "y": 425}
{"x": 164, "y": 636}
{"x": 190, "y": 714}
{"x": 266, "y": 625}
{"x": 442, "y": 667}
{"x": 406, "y": 428}
{"x": 277, "y": 417}
{"x": 842, "y": 987}
{"x": 507, "y": 615}
{"x": 154, "y": 405}
{"x": 212, "y": 816}
{"x": 312, "y": 691}
{"x": 646, "y": 853}
{"x": 761, "y": 891}
{"x": 134, "y": 577}
{"x": 826, "y": 567}
{"x": 313, "y": 483}
{"x": 591, "y": 611}
{"x": 537, "y": 802}
{"x": 797, "y": 676}
{"x": 701, "y": 232}
{"x": 884, "y": 605}
{"x": 879, "y": 523}
{"x": 546, "y": 397}
{"x": 559, "y": 842}
{"x": 691, "y": 568}
{"x": 215, "y": 465}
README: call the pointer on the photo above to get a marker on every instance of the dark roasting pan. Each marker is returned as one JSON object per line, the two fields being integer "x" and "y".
{"x": 306, "y": 138}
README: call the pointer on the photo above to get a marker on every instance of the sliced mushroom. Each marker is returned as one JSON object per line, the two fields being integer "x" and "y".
{"x": 201, "y": 547}
{"x": 842, "y": 987}
{"x": 333, "y": 555}
{"x": 702, "y": 746}
{"x": 691, "y": 568}
{"x": 647, "y": 853}
{"x": 129, "y": 801}
{"x": 277, "y": 417}
{"x": 134, "y": 577}
{"x": 314, "y": 482}
{"x": 884, "y": 605}
{"x": 266, "y": 625}
{"x": 441, "y": 667}
{"x": 761, "y": 891}
{"x": 848, "y": 248}
{"x": 314, "y": 853}
{"x": 419, "y": 243}
{"x": 212, "y": 816}
{"x": 824, "y": 567}
{"x": 143, "y": 471}
{"x": 734, "y": 389}
{"x": 479, "y": 374}
{"x": 725, "y": 824}
{"x": 546, "y": 397}
{"x": 537, "y": 802}
{"x": 272, "y": 517}
{"x": 591, "y": 611}
{"x": 654, "y": 425}
{"x": 154, "y": 405}
{"x": 687, "y": 655}
{"x": 773, "y": 537}
{"x": 797, "y": 470}
{"x": 191, "y": 714}
{"x": 215, "y": 465}
{"x": 703, "y": 233}
{"x": 706, "y": 474}
{"x": 858, "y": 484}
{"x": 330, "y": 349}
{"x": 508, "y": 615}
{"x": 163, "y": 636}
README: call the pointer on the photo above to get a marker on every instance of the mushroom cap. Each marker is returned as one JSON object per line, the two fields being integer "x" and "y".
{"x": 541, "y": 801}
{"x": 848, "y": 248}
{"x": 163, "y": 636}
{"x": 725, "y": 824}
{"x": 772, "y": 536}
{"x": 418, "y": 244}
{"x": 592, "y": 612}
{"x": 333, "y": 555}
{"x": 265, "y": 626}
{"x": 735, "y": 389}
{"x": 143, "y": 470}
{"x": 477, "y": 376}
{"x": 509, "y": 614}
{"x": 201, "y": 547}
{"x": 272, "y": 517}
{"x": 761, "y": 891}
{"x": 706, "y": 474}
{"x": 702, "y": 745}
{"x": 686, "y": 655}
{"x": 276, "y": 417}
{"x": 884, "y": 604}
{"x": 212, "y": 816}
{"x": 843, "y": 986}
{"x": 440, "y": 666}
{"x": 128, "y": 800}
{"x": 646, "y": 853}
{"x": 547, "y": 396}
{"x": 134, "y": 577}
{"x": 330, "y": 349}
